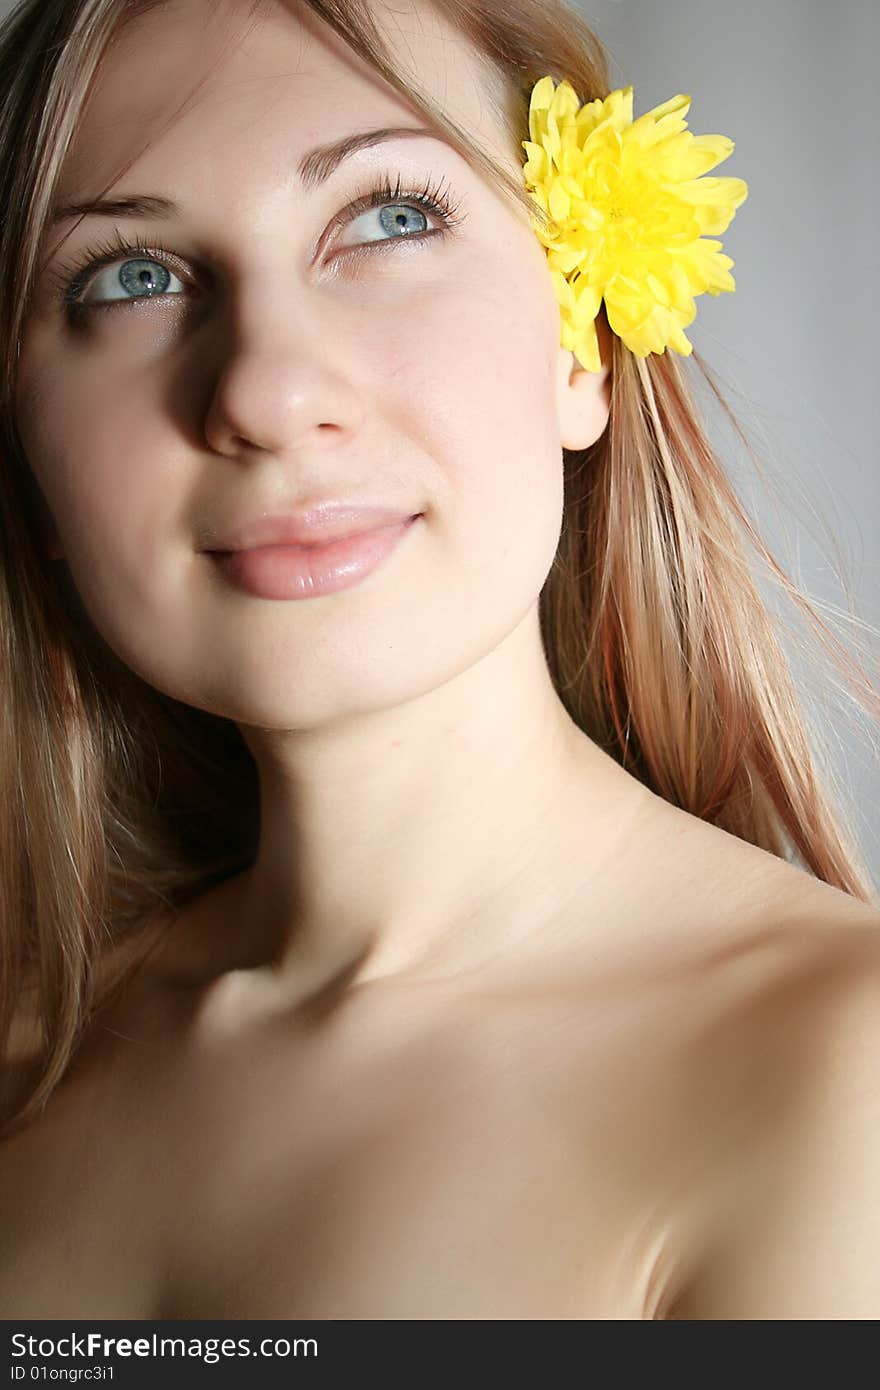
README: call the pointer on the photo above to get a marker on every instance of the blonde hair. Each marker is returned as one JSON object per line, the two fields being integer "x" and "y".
{"x": 118, "y": 803}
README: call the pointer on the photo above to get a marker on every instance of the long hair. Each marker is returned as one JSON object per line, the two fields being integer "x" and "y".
{"x": 119, "y": 805}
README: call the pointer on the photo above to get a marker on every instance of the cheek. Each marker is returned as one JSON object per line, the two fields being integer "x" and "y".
{"x": 477, "y": 391}
{"x": 102, "y": 473}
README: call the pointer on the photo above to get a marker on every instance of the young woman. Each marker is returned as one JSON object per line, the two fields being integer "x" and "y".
{"x": 405, "y": 927}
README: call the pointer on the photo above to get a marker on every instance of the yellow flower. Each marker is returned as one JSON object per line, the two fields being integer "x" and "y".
{"x": 629, "y": 209}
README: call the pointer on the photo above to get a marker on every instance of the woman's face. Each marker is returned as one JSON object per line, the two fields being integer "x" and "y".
{"x": 290, "y": 360}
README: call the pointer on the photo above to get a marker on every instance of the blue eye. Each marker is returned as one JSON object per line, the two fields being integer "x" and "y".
{"x": 141, "y": 272}
{"x": 393, "y": 219}
{"x": 142, "y": 278}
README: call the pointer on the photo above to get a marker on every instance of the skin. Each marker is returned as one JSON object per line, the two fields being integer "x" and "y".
{"x": 406, "y": 730}
{"x": 461, "y": 1043}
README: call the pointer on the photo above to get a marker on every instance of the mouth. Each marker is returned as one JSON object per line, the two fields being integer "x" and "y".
{"x": 301, "y": 571}
{"x": 314, "y": 524}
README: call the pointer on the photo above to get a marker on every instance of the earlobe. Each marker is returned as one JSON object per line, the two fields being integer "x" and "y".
{"x": 584, "y": 398}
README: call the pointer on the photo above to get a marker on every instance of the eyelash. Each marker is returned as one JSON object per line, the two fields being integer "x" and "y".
{"x": 71, "y": 279}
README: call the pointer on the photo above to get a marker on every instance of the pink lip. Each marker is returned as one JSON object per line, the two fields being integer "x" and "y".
{"x": 308, "y": 571}
{"x": 315, "y": 525}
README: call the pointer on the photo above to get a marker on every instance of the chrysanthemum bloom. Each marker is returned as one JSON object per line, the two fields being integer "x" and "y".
{"x": 630, "y": 210}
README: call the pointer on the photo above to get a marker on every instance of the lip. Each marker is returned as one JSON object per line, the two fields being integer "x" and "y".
{"x": 309, "y": 571}
{"x": 309, "y": 526}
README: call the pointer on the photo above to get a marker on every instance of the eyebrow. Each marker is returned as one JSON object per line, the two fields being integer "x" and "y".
{"x": 313, "y": 169}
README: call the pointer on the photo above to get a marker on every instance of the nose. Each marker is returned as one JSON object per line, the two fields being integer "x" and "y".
{"x": 280, "y": 383}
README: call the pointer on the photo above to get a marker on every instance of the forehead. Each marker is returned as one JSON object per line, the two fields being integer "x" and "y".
{"x": 182, "y": 76}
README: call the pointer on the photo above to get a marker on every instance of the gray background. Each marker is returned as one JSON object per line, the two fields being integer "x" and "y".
{"x": 792, "y": 83}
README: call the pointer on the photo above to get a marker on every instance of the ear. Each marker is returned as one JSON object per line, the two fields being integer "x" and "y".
{"x": 584, "y": 398}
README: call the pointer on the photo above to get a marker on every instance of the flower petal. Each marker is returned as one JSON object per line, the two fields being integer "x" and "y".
{"x": 631, "y": 208}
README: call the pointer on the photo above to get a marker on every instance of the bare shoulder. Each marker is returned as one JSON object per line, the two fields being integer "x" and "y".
{"x": 686, "y": 1058}
{"x": 748, "y": 1030}
{"x": 783, "y": 1080}
{"x": 72, "y": 1238}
